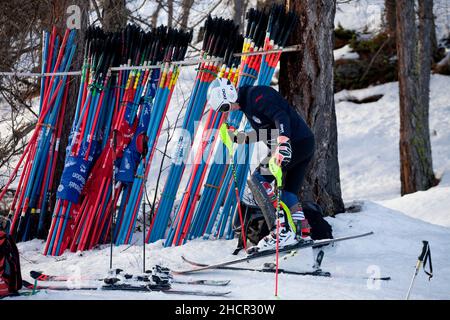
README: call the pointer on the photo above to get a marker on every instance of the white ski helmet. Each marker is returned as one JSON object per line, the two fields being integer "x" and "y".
{"x": 221, "y": 93}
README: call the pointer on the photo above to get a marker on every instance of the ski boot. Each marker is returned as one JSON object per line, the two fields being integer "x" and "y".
{"x": 287, "y": 237}
{"x": 302, "y": 227}
{"x": 114, "y": 276}
{"x": 157, "y": 269}
{"x": 161, "y": 276}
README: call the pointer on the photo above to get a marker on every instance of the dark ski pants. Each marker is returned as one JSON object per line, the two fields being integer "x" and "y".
{"x": 294, "y": 172}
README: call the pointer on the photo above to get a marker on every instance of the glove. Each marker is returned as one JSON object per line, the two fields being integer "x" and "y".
{"x": 236, "y": 135}
{"x": 233, "y": 133}
{"x": 283, "y": 152}
{"x": 241, "y": 137}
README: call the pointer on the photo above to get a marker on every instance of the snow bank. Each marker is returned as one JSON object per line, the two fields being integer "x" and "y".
{"x": 363, "y": 15}
{"x": 368, "y": 136}
{"x": 366, "y": 16}
{"x": 431, "y": 205}
{"x": 391, "y": 251}
{"x": 345, "y": 53}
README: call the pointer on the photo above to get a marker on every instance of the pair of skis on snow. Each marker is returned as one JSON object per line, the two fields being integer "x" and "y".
{"x": 143, "y": 278}
{"x": 147, "y": 282}
{"x": 270, "y": 267}
{"x": 266, "y": 253}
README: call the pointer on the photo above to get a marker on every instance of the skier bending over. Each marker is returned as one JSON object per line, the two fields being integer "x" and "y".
{"x": 266, "y": 109}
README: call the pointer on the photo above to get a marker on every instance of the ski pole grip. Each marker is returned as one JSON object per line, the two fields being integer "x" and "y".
{"x": 276, "y": 171}
{"x": 424, "y": 250}
{"x": 225, "y": 137}
{"x": 144, "y": 146}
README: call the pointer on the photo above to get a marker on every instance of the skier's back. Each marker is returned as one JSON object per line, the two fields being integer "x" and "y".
{"x": 266, "y": 110}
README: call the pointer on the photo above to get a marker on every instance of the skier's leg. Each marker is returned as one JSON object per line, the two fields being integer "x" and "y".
{"x": 289, "y": 195}
{"x": 264, "y": 195}
{"x": 292, "y": 217}
{"x": 294, "y": 174}
{"x": 303, "y": 152}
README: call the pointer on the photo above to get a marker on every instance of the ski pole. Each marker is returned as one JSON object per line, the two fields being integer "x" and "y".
{"x": 276, "y": 171}
{"x": 143, "y": 156}
{"x": 423, "y": 258}
{"x": 225, "y": 137}
{"x": 113, "y": 196}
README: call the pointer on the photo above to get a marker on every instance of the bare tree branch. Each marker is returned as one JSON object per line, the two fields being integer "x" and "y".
{"x": 97, "y": 11}
{"x": 207, "y": 14}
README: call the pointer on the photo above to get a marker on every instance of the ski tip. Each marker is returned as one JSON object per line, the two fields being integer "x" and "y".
{"x": 197, "y": 293}
{"x": 365, "y": 234}
{"x": 185, "y": 259}
{"x": 36, "y": 274}
{"x": 370, "y": 233}
{"x": 192, "y": 262}
{"x": 27, "y": 284}
{"x": 221, "y": 283}
{"x": 216, "y": 293}
{"x": 213, "y": 293}
{"x": 180, "y": 272}
{"x": 189, "y": 271}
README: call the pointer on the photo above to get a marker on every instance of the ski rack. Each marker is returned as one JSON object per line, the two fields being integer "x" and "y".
{"x": 186, "y": 63}
{"x": 221, "y": 40}
{"x": 104, "y": 55}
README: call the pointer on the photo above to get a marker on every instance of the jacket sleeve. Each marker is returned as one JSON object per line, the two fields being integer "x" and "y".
{"x": 271, "y": 108}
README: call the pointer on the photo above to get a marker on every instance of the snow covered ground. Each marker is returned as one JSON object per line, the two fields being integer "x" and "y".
{"x": 368, "y": 137}
{"x": 345, "y": 53}
{"x": 368, "y": 152}
{"x": 369, "y": 164}
{"x": 392, "y": 251}
{"x": 366, "y": 16}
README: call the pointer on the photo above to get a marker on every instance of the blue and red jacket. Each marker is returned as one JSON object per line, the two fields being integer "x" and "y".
{"x": 265, "y": 108}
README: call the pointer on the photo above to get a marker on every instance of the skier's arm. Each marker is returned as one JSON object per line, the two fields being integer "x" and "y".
{"x": 241, "y": 137}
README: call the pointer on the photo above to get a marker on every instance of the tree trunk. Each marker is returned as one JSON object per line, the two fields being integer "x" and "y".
{"x": 261, "y": 4}
{"x": 306, "y": 80}
{"x": 169, "y": 13}
{"x": 416, "y": 168}
{"x": 114, "y": 14}
{"x": 390, "y": 20}
{"x": 425, "y": 48}
{"x": 155, "y": 15}
{"x": 436, "y": 53}
{"x": 239, "y": 9}
{"x": 186, "y": 6}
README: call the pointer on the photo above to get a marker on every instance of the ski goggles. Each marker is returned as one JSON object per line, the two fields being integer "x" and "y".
{"x": 225, "y": 107}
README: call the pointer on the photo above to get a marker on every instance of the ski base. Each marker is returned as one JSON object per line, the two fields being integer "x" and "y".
{"x": 40, "y": 276}
{"x": 127, "y": 287}
{"x": 271, "y": 269}
{"x": 267, "y": 253}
